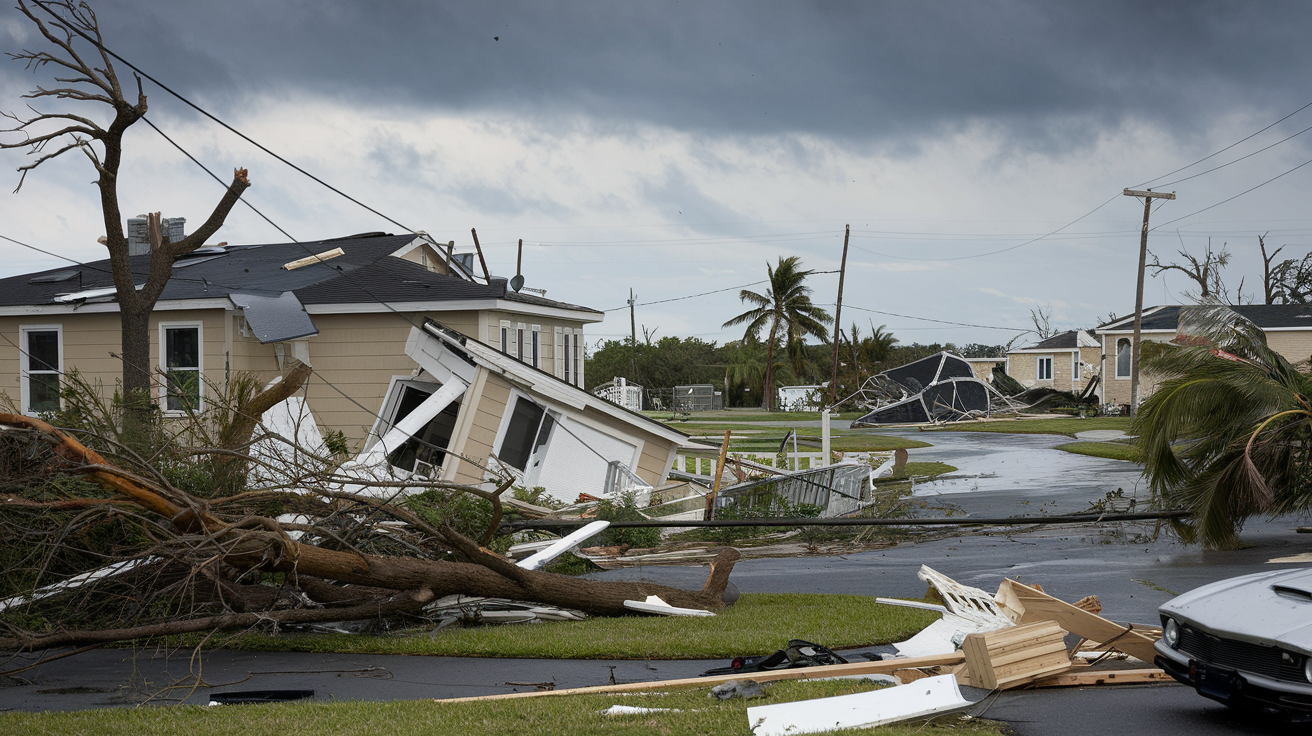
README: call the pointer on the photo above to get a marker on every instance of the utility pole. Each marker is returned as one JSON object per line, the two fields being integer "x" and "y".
{"x": 519, "y": 259}
{"x": 487, "y": 277}
{"x": 633, "y": 338}
{"x": 838, "y": 313}
{"x": 1148, "y": 197}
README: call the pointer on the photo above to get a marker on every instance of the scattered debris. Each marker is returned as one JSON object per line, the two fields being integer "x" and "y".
{"x": 940, "y": 388}
{"x": 562, "y": 545}
{"x": 928, "y": 697}
{"x": 803, "y": 673}
{"x": 965, "y": 610}
{"x": 634, "y": 710}
{"x": 1006, "y": 659}
{"x": 654, "y": 604}
{"x": 1024, "y": 604}
{"x": 745, "y": 689}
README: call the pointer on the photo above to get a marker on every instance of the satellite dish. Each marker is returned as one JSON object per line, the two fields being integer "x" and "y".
{"x": 517, "y": 282}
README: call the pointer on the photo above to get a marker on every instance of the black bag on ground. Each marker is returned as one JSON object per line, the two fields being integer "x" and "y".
{"x": 799, "y": 653}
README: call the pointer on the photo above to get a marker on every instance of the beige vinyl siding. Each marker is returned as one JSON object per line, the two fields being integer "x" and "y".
{"x": 89, "y": 338}
{"x": 651, "y": 465}
{"x": 485, "y": 405}
{"x": 489, "y": 332}
{"x": 1295, "y": 346}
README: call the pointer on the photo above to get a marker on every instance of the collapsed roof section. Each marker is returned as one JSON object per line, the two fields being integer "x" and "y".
{"x": 940, "y": 388}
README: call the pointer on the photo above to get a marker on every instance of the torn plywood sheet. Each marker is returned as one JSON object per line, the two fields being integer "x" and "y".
{"x": 926, "y": 697}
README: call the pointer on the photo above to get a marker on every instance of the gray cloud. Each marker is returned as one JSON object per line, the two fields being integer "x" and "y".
{"x": 857, "y": 71}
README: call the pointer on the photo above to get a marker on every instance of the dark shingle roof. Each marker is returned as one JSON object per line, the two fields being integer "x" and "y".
{"x": 1067, "y": 340}
{"x": 363, "y": 273}
{"x": 1266, "y": 316}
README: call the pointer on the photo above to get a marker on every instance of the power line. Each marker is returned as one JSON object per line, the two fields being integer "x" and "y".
{"x": 202, "y": 111}
{"x": 690, "y": 296}
{"x": 216, "y": 178}
{"x": 1237, "y": 196}
{"x": 1241, "y": 158}
{"x": 940, "y": 321}
{"x": 1223, "y": 150}
{"x": 1002, "y": 250}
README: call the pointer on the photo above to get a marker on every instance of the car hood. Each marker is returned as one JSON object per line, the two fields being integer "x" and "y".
{"x": 1265, "y": 608}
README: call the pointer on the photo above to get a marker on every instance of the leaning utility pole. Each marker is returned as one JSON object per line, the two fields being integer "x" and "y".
{"x": 838, "y": 313}
{"x": 633, "y": 339}
{"x": 1148, "y": 197}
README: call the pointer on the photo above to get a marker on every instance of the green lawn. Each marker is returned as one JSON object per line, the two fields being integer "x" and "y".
{"x": 1063, "y": 425}
{"x": 577, "y": 715}
{"x": 758, "y": 624}
{"x": 1109, "y": 450}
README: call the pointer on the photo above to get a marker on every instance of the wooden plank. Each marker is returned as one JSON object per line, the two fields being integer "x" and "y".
{"x": 1035, "y": 606}
{"x": 1107, "y": 677}
{"x": 883, "y": 667}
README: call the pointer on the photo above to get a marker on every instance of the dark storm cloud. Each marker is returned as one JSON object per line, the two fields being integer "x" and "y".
{"x": 857, "y": 71}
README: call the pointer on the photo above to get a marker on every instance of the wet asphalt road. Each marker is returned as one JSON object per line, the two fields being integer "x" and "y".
{"x": 999, "y": 475}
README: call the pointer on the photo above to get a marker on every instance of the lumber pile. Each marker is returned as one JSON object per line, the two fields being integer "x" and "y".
{"x": 1015, "y": 656}
{"x": 1025, "y": 604}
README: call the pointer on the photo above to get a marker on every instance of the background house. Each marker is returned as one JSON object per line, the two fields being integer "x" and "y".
{"x": 1061, "y": 362}
{"x": 1288, "y": 329}
{"x": 226, "y": 309}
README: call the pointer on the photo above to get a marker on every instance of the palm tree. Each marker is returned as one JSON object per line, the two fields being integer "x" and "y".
{"x": 1228, "y": 434}
{"x": 787, "y": 307}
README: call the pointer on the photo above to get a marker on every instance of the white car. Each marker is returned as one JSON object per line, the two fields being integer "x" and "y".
{"x": 1245, "y": 641}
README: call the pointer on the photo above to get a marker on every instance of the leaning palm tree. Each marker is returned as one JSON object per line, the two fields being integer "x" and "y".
{"x": 1228, "y": 434}
{"x": 786, "y": 306}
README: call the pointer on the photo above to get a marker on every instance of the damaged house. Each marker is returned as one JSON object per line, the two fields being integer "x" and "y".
{"x": 347, "y": 307}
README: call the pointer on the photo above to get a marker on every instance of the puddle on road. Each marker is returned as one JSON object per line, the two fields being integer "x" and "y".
{"x": 1025, "y": 465}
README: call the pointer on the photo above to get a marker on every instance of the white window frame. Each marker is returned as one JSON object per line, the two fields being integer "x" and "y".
{"x": 1075, "y": 366}
{"x": 505, "y": 337}
{"x": 24, "y": 366}
{"x": 578, "y": 358}
{"x": 531, "y": 470}
{"x": 164, "y": 368}
{"x": 1040, "y": 362}
{"x": 557, "y": 353}
{"x": 1116, "y": 355}
{"x": 535, "y": 345}
{"x": 519, "y": 342}
{"x": 568, "y": 375}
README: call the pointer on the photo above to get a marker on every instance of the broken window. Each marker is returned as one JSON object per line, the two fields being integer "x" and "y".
{"x": 426, "y": 450}
{"x": 1123, "y": 358}
{"x": 522, "y": 433}
{"x": 1045, "y": 368}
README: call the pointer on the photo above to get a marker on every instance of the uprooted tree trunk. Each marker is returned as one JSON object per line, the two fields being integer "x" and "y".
{"x": 200, "y": 530}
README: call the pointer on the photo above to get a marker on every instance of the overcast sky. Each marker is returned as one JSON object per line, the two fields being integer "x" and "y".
{"x": 677, "y": 147}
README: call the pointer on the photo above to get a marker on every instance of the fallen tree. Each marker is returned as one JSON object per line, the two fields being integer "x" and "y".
{"x": 222, "y": 563}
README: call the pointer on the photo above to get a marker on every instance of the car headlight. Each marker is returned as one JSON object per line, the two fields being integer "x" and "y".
{"x": 1307, "y": 668}
{"x": 1171, "y": 634}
